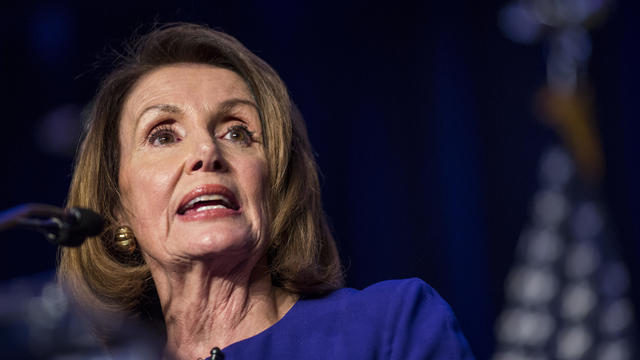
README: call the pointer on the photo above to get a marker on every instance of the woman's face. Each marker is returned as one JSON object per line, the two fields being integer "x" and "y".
{"x": 192, "y": 166}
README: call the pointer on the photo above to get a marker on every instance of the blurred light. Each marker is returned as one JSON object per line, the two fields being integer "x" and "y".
{"x": 563, "y": 21}
{"x": 614, "y": 350}
{"x": 546, "y": 12}
{"x": 550, "y": 208}
{"x": 587, "y": 306}
{"x": 522, "y": 327}
{"x": 562, "y": 12}
{"x": 616, "y": 317}
{"x": 574, "y": 43}
{"x": 562, "y": 73}
{"x": 587, "y": 222}
{"x": 518, "y": 355}
{"x": 531, "y": 286}
{"x": 573, "y": 343}
{"x": 570, "y": 50}
{"x": 509, "y": 355}
{"x": 556, "y": 168}
{"x": 54, "y": 302}
{"x": 518, "y": 23}
{"x": 577, "y": 301}
{"x": 582, "y": 260}
{"x": 541, "y": 246}
{"x": 59, "y": 130}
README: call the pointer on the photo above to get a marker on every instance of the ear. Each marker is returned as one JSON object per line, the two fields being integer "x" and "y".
{"x": 121, "y": 215}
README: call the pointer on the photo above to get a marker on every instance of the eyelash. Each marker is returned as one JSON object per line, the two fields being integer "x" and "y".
{"x": 168, "y": 129}
{"x": 242, "y": 128}
{"x": 163, "y": 129}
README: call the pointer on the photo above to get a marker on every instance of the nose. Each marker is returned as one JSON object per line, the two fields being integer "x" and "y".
{"x": 206, "y": 156}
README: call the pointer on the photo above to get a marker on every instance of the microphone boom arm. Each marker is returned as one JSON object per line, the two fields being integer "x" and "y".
{"x": 67, "y": 227}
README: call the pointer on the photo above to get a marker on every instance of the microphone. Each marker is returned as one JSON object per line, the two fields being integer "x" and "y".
{"x": 66, "y": 227}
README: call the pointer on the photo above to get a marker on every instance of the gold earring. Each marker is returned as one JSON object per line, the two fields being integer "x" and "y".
{"x": 125, "y": 240}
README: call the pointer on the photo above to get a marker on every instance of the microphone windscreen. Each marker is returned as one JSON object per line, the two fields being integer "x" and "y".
{"x": 89, "y": 222}
{"x": 85, "y": 223}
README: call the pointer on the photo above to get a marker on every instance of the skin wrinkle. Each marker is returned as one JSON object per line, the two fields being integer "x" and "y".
{"x": 155, "y": 111}
{"x": 211, "y": 276}
{"x": 218, "y": 311}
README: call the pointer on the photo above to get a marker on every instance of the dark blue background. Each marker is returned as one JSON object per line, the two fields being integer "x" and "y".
{"x": 421, "y": 115}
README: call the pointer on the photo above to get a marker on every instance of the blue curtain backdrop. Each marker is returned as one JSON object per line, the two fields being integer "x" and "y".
{"x": 421, "y": 114}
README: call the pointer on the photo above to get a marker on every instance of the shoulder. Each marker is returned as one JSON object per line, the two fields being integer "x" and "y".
{"x": 409, "y": 296}
{"x": 392, "y": 296}
{"x": 390, "y": 320}
{"x": 408, "y": 288}
{"x": 416, "y": 322}
{"x": 376, "y": 297}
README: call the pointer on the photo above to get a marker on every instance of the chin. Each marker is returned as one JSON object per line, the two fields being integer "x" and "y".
{"x": 211, "y": 244}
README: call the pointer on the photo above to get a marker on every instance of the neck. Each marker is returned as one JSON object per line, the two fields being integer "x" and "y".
{"x": 204, "y": 308}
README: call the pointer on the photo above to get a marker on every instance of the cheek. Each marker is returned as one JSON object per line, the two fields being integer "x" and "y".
{"x": 253, "y": 175}
{"x": 258, "y": 176}
{"x": 146, "y": 193}
{"x": 255, "y": 182}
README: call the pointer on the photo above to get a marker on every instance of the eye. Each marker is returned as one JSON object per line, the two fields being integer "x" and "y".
{"x": 239, "y": 134}
{"x": 163, "y": 135}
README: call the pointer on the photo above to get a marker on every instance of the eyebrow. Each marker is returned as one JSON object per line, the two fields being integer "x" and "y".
{"x": 225, "y": 107}
{"x": 228, "y": 105}
{"x": 165, "y": 108}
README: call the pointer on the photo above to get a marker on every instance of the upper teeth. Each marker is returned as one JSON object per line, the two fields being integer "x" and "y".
{"x": 208, "y": 198}
{"x": 210, "y": 207}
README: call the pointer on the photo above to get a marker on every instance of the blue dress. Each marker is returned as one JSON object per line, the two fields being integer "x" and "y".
{"x": 397, "y": 319}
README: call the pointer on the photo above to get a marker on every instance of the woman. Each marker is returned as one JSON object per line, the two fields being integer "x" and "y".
{"x": 201, "y": 166}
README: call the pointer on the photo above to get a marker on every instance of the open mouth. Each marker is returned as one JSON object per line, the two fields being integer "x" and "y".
{"x": 212, "y": 200}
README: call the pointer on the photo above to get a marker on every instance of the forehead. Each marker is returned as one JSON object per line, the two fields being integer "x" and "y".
{"x": 185, "y": 84}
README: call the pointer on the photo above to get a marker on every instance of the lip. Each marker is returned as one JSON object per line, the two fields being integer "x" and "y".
{"x": 209, "y": 189}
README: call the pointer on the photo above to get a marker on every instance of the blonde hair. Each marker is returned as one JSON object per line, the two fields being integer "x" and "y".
{"x": 302, "y": 256}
